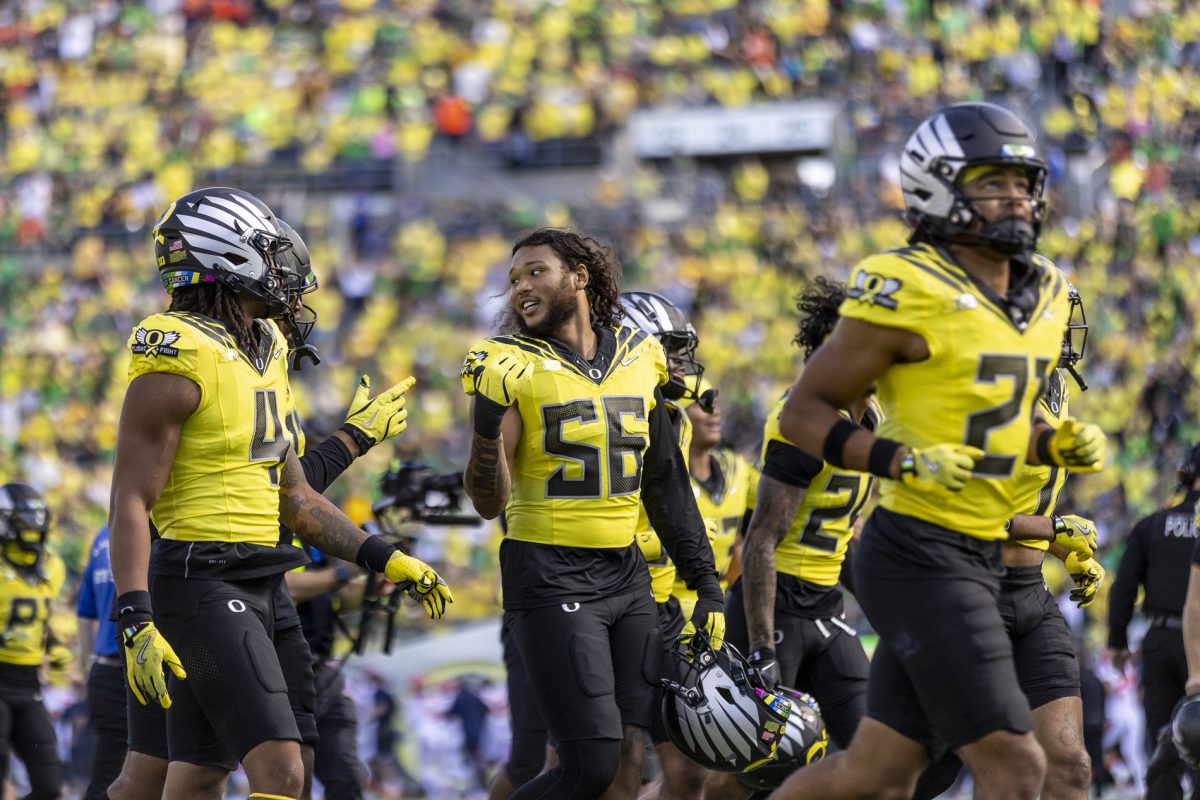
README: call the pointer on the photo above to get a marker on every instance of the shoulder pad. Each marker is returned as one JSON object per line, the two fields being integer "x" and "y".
{"x": 170, "y": 342}
{"x": 898, "y": 288}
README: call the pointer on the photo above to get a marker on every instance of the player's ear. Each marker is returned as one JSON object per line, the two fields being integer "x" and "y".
{"x": 582, "y": 278}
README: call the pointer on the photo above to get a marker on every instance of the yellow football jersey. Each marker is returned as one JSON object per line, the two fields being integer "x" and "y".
{"x": 662, "y": 571}
{"x": 577, "y": 475}
{"x": 1038, "y": 488}
{"x": 25, "y": 600}
{"x": 815, "y": 545}
{"x": 723, "y": 511}
{"x": 979, "y": 384}
{"x": 224, "y": 481}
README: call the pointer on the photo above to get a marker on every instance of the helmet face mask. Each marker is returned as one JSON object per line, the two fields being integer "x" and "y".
{"x": 938, "y": 155}
{"x": 228, "y": 236}
{"x": 24, "y": 523}
{"x": 299, "y": 319}
{"x": 1075, "y": 339}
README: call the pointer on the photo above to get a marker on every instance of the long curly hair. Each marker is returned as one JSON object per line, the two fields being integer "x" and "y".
{"x": 580, "y": 250}
{"x": 818, "y": 305}
{"x": 218, "y": 301}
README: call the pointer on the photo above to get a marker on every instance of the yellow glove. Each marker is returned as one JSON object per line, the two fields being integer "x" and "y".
{"x": 945, "y": 466}
{"x": 146, "y": 653}
{"x": 497, "y": 376}
{"x": 420, "y": 582}
{"x": 1076, "y": 534}
{"x": 371, "y": 421}
{"x": 1087, "y": 575}
{"x": 708, "y": 616}
{"x": 1077, "y": 447}
{"x": 59, "y": 657}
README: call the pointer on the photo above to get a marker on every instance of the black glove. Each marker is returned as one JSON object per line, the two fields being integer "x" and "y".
{"x": 763, "y": 662}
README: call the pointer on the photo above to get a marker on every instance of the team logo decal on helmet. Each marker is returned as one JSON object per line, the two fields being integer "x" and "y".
{"x": 943, "y": 150}
{"x": 804, "y": 741}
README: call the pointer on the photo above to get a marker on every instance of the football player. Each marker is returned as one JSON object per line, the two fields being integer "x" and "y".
{"x": 143, "y": 773}
{"x": 570, "y": 435}
{"x": 958, "y": 331}
{"x": 203, "y": 446}
{"x": 725, "y": 485}
{"x": 1042, "y": 649}
{"x": 786, "y": 611}
{"x": 30, "y": 580}
{"x": 657, "y": 316}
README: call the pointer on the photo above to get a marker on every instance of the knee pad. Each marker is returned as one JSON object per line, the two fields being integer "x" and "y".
{"x": 589, "y": 765}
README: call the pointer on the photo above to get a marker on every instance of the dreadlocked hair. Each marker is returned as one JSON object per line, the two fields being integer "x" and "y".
{"x": 818, "y": 306}
{"x": 578, "y": 251}
{"x": 218, "y": 301}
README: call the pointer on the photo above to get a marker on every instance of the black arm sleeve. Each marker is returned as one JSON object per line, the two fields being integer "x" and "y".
{"x": 789, "y": 464}
{"x": 671, "y": 506}
{"x": 324, "y": 463}
{"x": 1123, "y": 594}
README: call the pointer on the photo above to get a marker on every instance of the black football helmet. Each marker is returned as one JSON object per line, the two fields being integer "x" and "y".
{"x": 1185, "y": 731}
{"x": 1075, "y": 339}
{"x": 227, "y": 236}
{"x": 298, "y": 323}
{"x": 804, "y": 742}
{"x": 935, "y": 157}
{"x": 24, "y": 524}
{"x": 717, "y": 712}
{"x": 662, "y": 319}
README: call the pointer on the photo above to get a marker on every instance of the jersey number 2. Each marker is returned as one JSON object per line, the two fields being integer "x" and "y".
{"x": 619, "y": 443}
{"x": 991, "y": 369}
{"x": 811, "y": 535}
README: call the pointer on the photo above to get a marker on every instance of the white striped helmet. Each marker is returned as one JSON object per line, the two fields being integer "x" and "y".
{"x": 716, "y": 712}
{"x": 949, "y": 142}
{"x": 228, "y": 236}
{"x": 804, "y": 742}
{"x": 662, "y": 319}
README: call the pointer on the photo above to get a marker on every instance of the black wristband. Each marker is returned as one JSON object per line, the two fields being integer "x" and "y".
{"x": 883, "y": 452}
{"x": 835, "y": 441}
{"x": 361, "y": 439}
{"x": 1043, "y": 448}
{"x": 374, "y": 554}
{"x": 133, "y": 607}
{"x": 488, "y": 416}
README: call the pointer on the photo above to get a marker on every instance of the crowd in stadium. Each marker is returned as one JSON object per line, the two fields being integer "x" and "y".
{"x": 109, "y": 110}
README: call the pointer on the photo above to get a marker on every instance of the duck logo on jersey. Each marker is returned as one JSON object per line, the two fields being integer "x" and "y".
{"x": 875, "y": 289}
{"x": 154, "y": 343}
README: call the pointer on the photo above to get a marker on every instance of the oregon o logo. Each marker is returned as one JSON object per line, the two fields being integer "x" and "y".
{"x": 236, "y": 606}
{"x": 873, "y": 288}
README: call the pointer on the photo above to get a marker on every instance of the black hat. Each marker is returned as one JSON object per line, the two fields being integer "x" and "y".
{"x": 1189, "y": 467}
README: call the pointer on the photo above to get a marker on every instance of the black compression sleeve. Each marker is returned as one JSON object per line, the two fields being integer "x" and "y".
{"x": 789, "y": 464}
{"x": 324, "y": 463}
{"x": 671, "y": 506}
